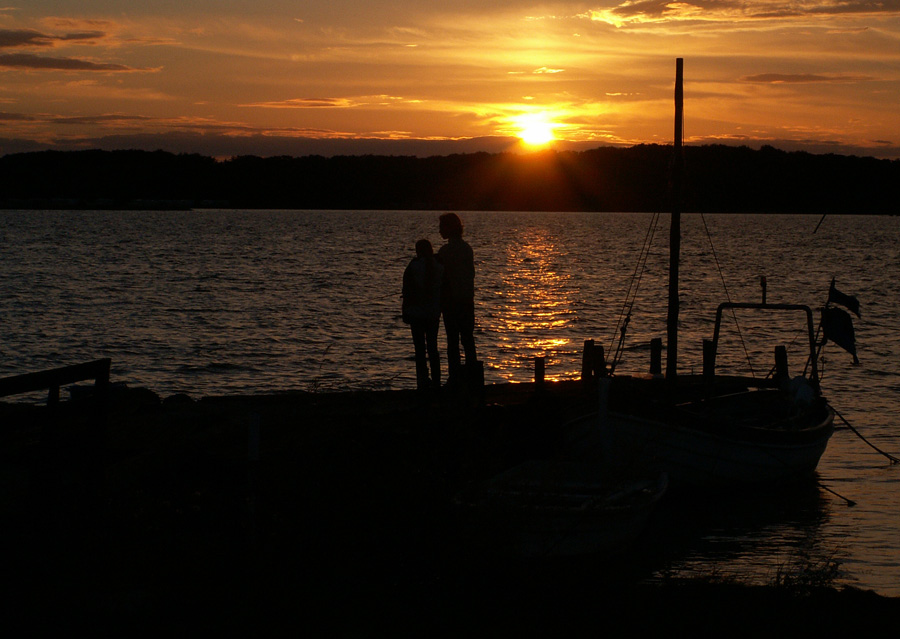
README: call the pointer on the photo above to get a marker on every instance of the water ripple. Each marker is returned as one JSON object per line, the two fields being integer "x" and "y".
{"x": 212, "y": 302}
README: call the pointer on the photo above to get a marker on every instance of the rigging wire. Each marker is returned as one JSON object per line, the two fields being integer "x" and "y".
{"x": 631, "y": 294}
{"x": 820, "y": 346}
{"x": 800, "y": 333}
{"x": 634, "y": 286}
{"x": 727, "y": 294}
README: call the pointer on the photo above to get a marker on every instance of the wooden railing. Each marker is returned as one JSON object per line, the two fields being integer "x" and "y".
{"x": 53, "y": 379}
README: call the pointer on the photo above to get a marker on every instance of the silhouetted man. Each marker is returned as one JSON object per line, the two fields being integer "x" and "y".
{"x": 457, "y": 294}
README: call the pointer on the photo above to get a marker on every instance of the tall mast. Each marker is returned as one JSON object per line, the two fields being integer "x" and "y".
{"x": 675, "y": 229}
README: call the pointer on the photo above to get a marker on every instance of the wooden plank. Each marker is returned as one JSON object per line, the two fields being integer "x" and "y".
{"x": 97, "y": 370}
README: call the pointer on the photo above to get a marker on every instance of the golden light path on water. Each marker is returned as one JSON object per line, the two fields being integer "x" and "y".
{"x": 535, "y": 301}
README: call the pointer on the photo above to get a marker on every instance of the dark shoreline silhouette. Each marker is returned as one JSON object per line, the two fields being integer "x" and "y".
{"x": 338, "y": 516}
{"x": 718, "y": 179}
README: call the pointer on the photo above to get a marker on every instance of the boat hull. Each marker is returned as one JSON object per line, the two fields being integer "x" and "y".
{"x": 701, "y": 458}
{"x": 719, "y": 453}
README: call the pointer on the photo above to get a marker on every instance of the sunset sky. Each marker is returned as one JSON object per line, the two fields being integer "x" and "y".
{"x": 280, "y": 77}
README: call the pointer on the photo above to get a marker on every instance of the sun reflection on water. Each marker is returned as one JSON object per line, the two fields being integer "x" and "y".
{"x": 535, "y": 301}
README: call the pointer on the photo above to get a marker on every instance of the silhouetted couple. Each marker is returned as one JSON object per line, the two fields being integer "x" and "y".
{"x": 435, "y": 285}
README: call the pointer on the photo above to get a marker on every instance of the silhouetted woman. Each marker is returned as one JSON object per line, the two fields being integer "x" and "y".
{"x": 458, "y": 296}
{"x": 422, "y": 311}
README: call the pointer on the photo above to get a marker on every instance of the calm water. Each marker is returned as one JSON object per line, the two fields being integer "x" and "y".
{"x": 215, "y": 302}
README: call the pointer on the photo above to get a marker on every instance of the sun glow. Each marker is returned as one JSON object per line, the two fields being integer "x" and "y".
{"x": 535, "y": 129}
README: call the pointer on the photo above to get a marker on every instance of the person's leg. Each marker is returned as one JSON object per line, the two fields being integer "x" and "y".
{"x": 434, "y": 356}
{"x": 467, "y": 333}
{"x": 451, "y": 327}
{"x": 418, "y": 336}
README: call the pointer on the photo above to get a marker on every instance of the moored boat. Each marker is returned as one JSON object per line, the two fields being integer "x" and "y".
{"x": 753, "y": 436}
{"x": 547, "y": 508}
{"x": 710, "y": 429}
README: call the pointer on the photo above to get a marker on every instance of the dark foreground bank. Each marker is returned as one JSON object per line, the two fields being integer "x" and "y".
{"x": 331, "y": 513}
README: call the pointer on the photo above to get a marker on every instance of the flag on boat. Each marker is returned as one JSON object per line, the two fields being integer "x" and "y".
{"x": 838, "y": 327}
{"x": 848, "y": 301}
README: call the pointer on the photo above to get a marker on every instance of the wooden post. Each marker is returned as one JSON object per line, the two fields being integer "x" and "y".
{"x": 599, "y": 364}
{"x": 709, "y": 361}
{"x": 539, "y": 372}
{"x": 656, "y": 356}
{"x": 252, "y": 467}
{"x": 253, "y": 437}
{"x": 603, "y": 396}
{"x": 781, "y": 363}
{"x": 587, "y": 362}
{"x": 607, "y": 447}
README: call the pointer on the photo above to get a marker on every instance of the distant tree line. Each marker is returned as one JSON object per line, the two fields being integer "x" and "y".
{"x": 718, "y": 178}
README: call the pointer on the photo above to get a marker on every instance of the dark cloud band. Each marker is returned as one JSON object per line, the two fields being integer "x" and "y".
{"x": 30, "y": 61}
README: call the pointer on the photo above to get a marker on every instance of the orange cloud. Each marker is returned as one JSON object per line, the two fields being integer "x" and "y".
{"x": 805, "y": 78}
{"x": 305, "y": 103}
{"x": 735, "y": 11}
{"x": 332, "y": 103}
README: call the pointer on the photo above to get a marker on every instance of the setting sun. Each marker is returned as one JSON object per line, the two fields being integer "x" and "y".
{"x": 535, "y": 129}
{"x": 273, "y": 78}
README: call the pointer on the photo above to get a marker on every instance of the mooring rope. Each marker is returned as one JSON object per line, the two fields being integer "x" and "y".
{"x": 820, "y": 223}
{"x": 849, "y": 502}
{"x": 893, "y": 459}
